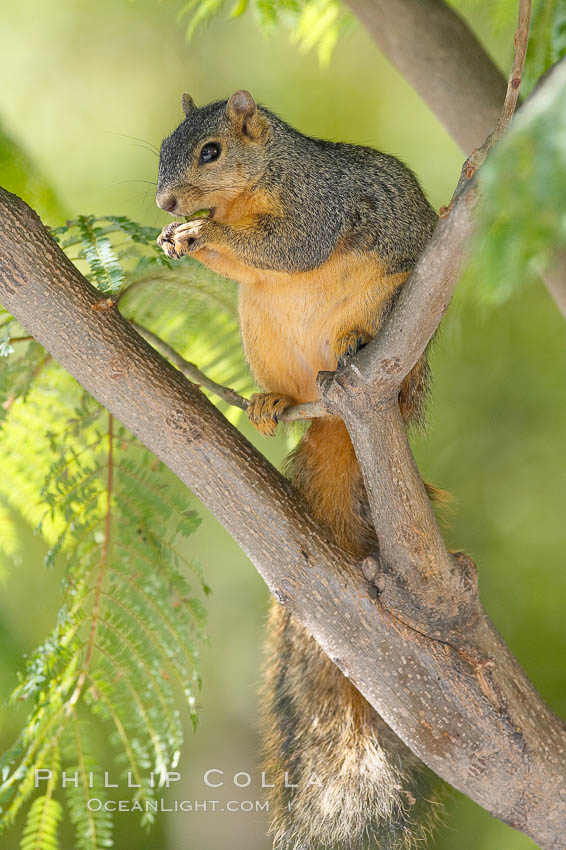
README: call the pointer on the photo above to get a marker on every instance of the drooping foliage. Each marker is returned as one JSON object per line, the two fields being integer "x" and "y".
{"x": 124, "y": 652}
{"x": 312, "y": 23}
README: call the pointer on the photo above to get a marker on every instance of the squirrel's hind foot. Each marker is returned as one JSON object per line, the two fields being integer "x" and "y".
{"x": 348, "y": 345}
{"x": 264, "y": 409}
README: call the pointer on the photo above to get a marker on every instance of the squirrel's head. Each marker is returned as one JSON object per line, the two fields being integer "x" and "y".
{"x": 217, "y": 153}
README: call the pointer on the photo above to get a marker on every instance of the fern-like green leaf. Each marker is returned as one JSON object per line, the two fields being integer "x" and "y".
{"x": 312, "y": 23}
{"x": 125, "y": 645}
{"x": 318, "y": 26}
{"x": 105, "y": 270}
{"x": 40, "y": 831}
{"x": 93, "y": 824}
{"x": 18, "y": 369}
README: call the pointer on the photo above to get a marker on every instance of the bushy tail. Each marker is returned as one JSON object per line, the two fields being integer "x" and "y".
{"x": 343, "y": 780}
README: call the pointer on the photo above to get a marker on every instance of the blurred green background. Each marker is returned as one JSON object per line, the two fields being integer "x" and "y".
{"x": 82, "y": 84}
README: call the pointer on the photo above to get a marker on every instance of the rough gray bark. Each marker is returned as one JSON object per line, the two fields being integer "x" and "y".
{"x": 413, "y": 636}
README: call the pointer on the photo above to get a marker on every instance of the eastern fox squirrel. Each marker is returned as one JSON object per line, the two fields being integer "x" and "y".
{"x": 320, "y": 236}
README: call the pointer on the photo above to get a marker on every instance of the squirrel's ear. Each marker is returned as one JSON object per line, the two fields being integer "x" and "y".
{"x": 243, "y": 114}
{"x": 188, "y": 104}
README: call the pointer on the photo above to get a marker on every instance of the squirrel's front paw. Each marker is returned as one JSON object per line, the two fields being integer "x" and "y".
{"x": 348, "y": 345}
{"x": 165, "y": 239}
{"x": 182, "y": 237}
{"x": 264, "y": 408}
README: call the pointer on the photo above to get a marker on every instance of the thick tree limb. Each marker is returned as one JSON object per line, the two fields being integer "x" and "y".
{"x": 437, "y": 673}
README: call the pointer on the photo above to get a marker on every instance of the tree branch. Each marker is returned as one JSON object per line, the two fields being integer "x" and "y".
{"x": 424, "y": 298}
{"x": 516, "y": 75}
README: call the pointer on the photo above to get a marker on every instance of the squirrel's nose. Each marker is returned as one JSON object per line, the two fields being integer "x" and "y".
{"x": 166, "y": 201}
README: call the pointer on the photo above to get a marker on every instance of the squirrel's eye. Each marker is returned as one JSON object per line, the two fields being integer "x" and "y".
{"x": 209, "y": 152}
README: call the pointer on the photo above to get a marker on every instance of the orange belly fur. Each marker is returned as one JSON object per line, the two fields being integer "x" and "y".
{"x": 290, "y": 323}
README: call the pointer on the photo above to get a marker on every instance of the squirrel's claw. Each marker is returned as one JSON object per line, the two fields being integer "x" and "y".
{"x": 348, "y": 345}
{"x": 165, "y": 240}
{"x": 263, "y": 410}
{"x": 180, "y": 237}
